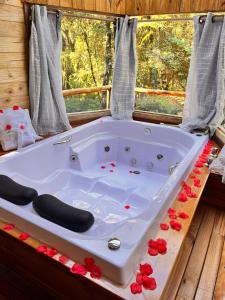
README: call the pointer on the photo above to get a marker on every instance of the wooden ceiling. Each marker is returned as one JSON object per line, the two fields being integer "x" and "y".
{"x": 137, "y": 7}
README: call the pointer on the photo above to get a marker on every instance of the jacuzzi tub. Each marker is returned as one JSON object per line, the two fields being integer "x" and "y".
{"x": 118, "y": 170}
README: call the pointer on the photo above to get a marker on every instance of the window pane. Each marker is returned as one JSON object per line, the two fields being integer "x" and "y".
{"x": 87, "y": 60}
{"x": 160, "y": 104}
{"x": 88, "y": 102}
{"x": 164, "y": 50}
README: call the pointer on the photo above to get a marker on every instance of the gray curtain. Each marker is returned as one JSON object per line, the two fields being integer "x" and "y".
{"x": 48, "y": 111}
{"x": 125, "y": 70}
{"x": 205, "y": 92}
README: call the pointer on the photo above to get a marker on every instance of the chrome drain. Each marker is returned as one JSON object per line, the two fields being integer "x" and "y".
{"x": 114, "y": 243}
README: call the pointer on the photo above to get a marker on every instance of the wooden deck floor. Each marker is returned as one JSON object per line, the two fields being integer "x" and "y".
{"x": 200, "y": 271}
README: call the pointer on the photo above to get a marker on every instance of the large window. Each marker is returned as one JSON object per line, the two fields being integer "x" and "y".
{"x": 163, "y": 48}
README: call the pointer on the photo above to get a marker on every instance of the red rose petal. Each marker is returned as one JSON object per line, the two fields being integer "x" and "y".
{"x": 63, "y": 259}
{"x": 192, "y": 195}
{"x": 146, "y": 269}
{"x": 202, "y": 160}
{"x": 149, "y": 283}
{"x": 8, "y": 227}
{"x": 135, "y": 288}
{"x": 139, "y": 279}
{"x": 196, "y": 171}
{"x": 1, "y": 111}
{"x": 127, "y": 206}
{"x": 183, "y": 215}
{"x": 161, "y": 242}
{"x": 8, "y": 127}
{"x": 153, "y": 251}
{"x": 172, "y": 211}
{"x": 96, "y": 272}
{"x": 78, "y": 269}
{"x": 24, "y": 236}
{"x": 162, "y": 249}
{"x": 175, "y": 225}
{"x": 51, "y": 252}
{"x": 198, "y": 164}
{"x": 16, "y": 107}
{"x": 152, "y": 244}
{"x": 182, "y": 197}
{"x": 22, "y": 126}
{"x": 197, "y": 183}
{"x": 164, "y": 226}
{"x": 42, "y": 249}
{"x": 172, "y": 217}
{"x": 89, "y": 261}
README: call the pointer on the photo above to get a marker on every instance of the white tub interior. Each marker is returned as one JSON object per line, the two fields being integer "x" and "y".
{"x": 84, "y": 174}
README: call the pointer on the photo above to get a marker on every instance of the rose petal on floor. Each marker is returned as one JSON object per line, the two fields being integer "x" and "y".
{"x": 63, "y": 259}
{"x": 42, "y": 249}
{"x": 153, "y": 251}
{"x": 175, "y": 225}
{"x": 78, "y": 269}
{"x": 182, "y": 197}
{"x": 96, "y": 272}
{"x": 164, "y": 226}
{"x": 183, "y": 215}
{"x": 8, "y": 227}
{"x": 139, "y": 279}
{"x": 146, "y": 269}
{"x": 51, "y": 252}
{"x": 149, "y": 283}
{"x": 135, "y": 288}
{"x": 152, "y": 244}
{"x": 24, "y": 236}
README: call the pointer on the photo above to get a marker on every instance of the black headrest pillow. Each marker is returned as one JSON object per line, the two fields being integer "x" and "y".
{"x": 15, "y": 192}
{"x": 56, "y": 211}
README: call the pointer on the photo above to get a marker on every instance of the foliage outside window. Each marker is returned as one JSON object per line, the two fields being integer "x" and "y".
{"x": 87, "y": 61}
{"x": 163, "y": 49}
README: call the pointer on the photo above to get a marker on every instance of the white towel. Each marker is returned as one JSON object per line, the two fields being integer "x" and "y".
{"x": 16, "y": 130}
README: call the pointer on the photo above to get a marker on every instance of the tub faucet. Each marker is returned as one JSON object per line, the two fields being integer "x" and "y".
{"x": 63, "y": 141}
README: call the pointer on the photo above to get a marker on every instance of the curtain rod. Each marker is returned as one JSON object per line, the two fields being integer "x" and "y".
{"x": 202, "y": 18}
{"x": 83, "y": 17}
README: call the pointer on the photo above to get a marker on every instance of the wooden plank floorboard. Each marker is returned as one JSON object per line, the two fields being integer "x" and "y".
{"x": 219, "y": 292}
{"x": 210, "y": 269}
{"x": 184, "y": 255}
{"x": 193, "y": 271}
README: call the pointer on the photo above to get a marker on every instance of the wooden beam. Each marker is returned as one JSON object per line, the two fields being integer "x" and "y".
{"x": 156, "y": 117}
{"x": 73, "y": 92}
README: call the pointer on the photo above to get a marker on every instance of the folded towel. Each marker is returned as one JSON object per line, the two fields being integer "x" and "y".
{"x": 16, "y": 130}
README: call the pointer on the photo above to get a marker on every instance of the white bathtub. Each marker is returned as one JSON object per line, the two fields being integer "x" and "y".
{"x": 74, "y": 172}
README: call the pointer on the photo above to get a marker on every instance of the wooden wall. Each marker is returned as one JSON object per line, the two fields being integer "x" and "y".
{"x": 13, "y": 69}
{"x": 138, "y": 7}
